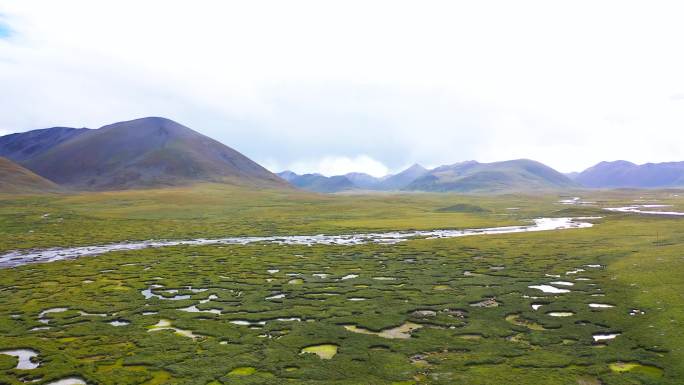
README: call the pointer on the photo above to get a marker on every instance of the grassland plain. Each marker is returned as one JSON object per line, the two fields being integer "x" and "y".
{"x": 440, "y": 311}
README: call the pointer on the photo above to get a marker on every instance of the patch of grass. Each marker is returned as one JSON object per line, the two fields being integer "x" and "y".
{"x": 462, "y": 208}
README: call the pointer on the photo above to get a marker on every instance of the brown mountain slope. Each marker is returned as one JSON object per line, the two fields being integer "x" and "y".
{"x": 147, "y": 152}
{"x": 15, "y": 179}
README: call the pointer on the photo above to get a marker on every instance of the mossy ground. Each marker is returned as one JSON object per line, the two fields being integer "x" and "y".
{"x": 642, "y": 260}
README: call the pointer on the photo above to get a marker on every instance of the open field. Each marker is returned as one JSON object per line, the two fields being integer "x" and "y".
{"x": 430, "y": 311}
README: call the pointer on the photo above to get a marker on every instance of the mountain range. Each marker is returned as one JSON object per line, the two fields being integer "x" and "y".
{"x": 318, "y": 182}
{"x": 466, "y": 177}
{"x": 472, "y": 176}
{"x": 626, "y": 174}
{"x": 506, "y": 176}
{"x": 354, "y": 180}
{"x": 147, "y": 152}
{"x": 158, "y": 152}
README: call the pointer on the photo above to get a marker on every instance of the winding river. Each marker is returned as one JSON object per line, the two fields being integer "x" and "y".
{"x": 644, "y": 209}
{"x": 22, "y": 257}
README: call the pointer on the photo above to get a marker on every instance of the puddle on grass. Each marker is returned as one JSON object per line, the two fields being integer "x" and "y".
{"x": 349, "y": 276}
{"x": 86, "y": 314}
{"x": 194, "y": 309}
{"x": 276, "y": 296}
{"x": 621, "y": 367}
{"x": 68, "y": 381}
{"x": 604, "y": 336}
{"x": 600, "y": 305}
{"x": 560, "y": 314}
{"x": 357, "y": 299}
{"x": 119, "y": 323}
{"x": 165, "y": 324}
{"x": 258, "y": 324}
{"x": 549, "y": 289}
{"x": 402, "y": 332}
{"x": 148, "y": 294}
{"x": 469, "y": 273}
{"x": 324, "y": 351}
{"x": 17, "y": 258}
{"x": 243, "y": 322}
{"x": 24, "y": 357}
{"x": 562, "y": 283}
{"x": 385, "y": 278}
{"x": 536, "y": 306}
{"x": 41, "y": 316}
{"x": 296, "y": 281}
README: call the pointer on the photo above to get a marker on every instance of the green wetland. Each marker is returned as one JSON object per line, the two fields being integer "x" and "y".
{"x": 581, "y": 306}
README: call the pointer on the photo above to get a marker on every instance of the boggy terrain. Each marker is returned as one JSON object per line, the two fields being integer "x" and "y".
{"x": 599, "y": 305}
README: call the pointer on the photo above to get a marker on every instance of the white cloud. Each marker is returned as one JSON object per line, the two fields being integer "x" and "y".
{"x": 340, "y": 165}
{"x": 432, "y": 82}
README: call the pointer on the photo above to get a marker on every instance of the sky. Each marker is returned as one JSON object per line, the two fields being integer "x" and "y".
{"x": 367, "y": 86}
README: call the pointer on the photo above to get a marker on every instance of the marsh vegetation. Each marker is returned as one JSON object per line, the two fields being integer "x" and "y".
{"x": 472, "y": 310}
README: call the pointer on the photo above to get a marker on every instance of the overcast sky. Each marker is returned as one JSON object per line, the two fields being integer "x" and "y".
{"x": 372, "y": 86}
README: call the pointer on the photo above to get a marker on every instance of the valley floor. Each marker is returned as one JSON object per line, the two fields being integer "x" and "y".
{"x": 599, "y": 305}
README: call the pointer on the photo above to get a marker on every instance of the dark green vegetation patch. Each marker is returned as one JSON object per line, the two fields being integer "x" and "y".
{"x": 462, "y": 208}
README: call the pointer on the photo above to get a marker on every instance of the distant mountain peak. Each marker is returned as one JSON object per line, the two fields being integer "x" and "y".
{"x": 404, "y": 178}
{"x": 319, "y": 183}
{"x": 287, "y": 175}
{"x": 616, "y": 163}
{"x": 358, "y": 174}
{"x": 416, "y": 166}
{"x": 364, "y": 181}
